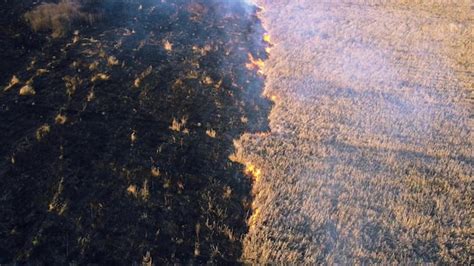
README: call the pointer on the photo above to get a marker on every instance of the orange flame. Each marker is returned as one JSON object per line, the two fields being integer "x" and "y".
{"x": 267, "y": 38}
{"x": 255, "y": 64}
{"x": 253, "y": 171}
{"x": 252, "y": 221}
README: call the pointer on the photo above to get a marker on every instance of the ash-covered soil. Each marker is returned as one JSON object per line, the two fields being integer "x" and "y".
{"x": 116, "y": 130}
{"x": 369, "y": 159}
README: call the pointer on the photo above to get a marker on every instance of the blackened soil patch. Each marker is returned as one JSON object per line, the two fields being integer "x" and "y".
{"x": 122, "y": 150}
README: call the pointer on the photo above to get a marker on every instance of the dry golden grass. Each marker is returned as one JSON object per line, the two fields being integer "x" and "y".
{"x": 211, "y": 133}
{"x": 14, "y": 80}
{"x": 369, "y": 159}
{"x": 179, "y": 126}
{"x": 100, "y": 76}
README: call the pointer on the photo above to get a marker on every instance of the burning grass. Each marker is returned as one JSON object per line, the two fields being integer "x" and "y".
{"x": 252, "y": 171}
{"x": 255, "y": 64}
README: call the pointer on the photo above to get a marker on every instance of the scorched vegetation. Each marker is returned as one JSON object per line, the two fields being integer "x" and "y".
{"x": 115, "y": 135}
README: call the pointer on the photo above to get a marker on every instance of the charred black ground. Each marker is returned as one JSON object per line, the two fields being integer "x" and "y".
{"x": 123, "y": 149}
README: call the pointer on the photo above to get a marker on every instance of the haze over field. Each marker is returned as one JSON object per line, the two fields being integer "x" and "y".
{"x": 295, "y": 132}
{"x": 369, "y": 158}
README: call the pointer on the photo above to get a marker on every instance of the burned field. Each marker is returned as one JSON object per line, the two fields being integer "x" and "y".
{"x": 116, "y": 131}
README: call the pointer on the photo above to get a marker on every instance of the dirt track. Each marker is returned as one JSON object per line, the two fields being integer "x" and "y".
{"x": 369, "y": 158}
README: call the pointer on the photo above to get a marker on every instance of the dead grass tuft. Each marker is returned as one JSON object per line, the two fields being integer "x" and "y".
{"x": 60, "y": 119}
{"x": 42, "y": 131}
{"x": 57, "y": 18}
{"x": 27, "y": 90}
